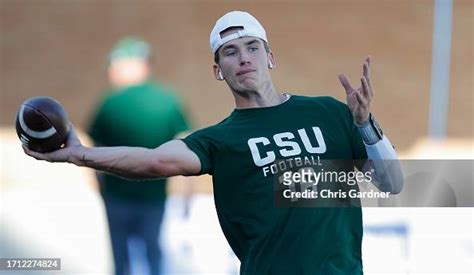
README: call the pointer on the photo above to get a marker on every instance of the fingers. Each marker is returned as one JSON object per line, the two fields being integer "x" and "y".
{"x": 25, "y": 149}
{"x": 366, "y": 91}
{"x": 365, "y": 71}
{"x": 73, "y": 139}
{"x": 368, "y": 59}
{"x": 345, "y": 83}
{"x": 36, "y": 155}
{"x": 360, "y": 98}
{"x": 361, "y": 113}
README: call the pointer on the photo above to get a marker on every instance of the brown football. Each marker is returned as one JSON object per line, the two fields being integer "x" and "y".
{"x": 42, "y": 124}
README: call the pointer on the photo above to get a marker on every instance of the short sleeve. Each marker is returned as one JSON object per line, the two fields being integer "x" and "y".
{"x": 203, "y": 145}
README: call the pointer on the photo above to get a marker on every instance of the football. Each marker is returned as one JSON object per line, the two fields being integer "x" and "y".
{"x": 42, "y": 124}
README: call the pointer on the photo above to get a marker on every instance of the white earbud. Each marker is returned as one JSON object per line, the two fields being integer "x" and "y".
{"x": 270, "y": 65}
{"x": 220, "y": 76}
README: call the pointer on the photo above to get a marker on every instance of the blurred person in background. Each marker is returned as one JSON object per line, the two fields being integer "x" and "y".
{"x": 136, "y": 111}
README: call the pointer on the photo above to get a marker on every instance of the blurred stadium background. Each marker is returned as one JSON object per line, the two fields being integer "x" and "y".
{"x": 58, "y": 48}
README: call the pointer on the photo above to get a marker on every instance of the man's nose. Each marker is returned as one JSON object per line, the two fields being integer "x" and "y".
{"x": 244, "y": 58}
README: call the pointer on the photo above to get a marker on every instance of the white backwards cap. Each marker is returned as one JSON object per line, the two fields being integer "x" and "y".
{"x": 250, "y": 25}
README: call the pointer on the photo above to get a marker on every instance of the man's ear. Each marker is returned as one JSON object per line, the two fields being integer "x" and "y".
{"x": 271, "y": 60}
{"x": 217, "y": 73}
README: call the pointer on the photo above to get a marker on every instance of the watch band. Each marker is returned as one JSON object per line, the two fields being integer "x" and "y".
{"x": 370, "y": 130}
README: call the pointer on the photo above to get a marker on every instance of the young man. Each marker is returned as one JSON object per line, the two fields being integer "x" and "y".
{"x": 265, "y": 126}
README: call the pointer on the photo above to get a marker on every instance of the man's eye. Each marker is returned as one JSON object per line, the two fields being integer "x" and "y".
{"x": 252, "y": 49}
{"x": 230, "y": 53}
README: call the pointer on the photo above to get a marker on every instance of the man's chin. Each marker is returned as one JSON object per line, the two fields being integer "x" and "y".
{"x": 248, "y": 90}
{"x": 248, "y": 85}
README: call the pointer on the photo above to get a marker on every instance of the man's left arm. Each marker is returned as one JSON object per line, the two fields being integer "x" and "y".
{"x": 383, "y": 160}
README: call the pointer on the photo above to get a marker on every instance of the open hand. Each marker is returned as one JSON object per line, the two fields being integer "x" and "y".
{"x": 359, "y": 99}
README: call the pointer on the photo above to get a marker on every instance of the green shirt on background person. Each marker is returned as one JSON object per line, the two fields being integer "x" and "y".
{"x": 146, "y": 115}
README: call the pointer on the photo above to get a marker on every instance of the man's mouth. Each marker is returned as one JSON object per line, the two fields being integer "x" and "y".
{"x": 246, "y": 71}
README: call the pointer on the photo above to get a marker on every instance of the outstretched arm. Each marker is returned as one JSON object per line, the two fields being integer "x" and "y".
{"x": 170, "y": 159}
{"x": 388, "y": 172}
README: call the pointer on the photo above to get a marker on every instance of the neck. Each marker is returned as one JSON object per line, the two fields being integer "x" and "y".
{"x": 266, "y": 97}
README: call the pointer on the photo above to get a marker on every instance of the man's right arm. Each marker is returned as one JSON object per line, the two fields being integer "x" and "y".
{"x": 170, "y": 159}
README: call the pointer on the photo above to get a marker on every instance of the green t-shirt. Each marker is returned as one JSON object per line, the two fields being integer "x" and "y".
{"x": 238, "y": 152}
{"x": 145, "y": 115}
